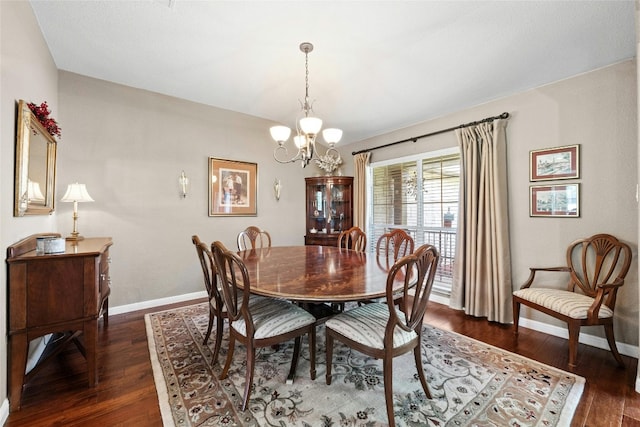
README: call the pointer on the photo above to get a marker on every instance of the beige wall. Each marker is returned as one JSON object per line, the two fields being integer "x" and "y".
{"x": 129, "y": 146}
{"x": 27, "y": 72}
{"x": 597, "y": 110}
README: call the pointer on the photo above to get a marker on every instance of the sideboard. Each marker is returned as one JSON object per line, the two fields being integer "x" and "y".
{"x": 62, "y": 294}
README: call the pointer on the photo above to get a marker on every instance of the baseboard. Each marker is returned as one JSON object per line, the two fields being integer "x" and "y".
{"x": 558, "y": 331}
{"x": 598, "y": 342}
{"x": 4, "y": 412}
{"x": 156, "y": 303}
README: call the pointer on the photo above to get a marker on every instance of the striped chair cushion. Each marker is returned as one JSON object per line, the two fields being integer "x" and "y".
{"x": 366, "y": 325}
{"x": 568, "y": 303}
{"x": 273, "y": 317}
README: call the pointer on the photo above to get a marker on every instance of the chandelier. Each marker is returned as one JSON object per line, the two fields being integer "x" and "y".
{"x": 307, "y": 128}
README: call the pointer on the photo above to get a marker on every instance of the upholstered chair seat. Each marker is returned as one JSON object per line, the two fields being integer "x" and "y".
{"x": 570, "y": 304}
{"x": 366, "y": 325}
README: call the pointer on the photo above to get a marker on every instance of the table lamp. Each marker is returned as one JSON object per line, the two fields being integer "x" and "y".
{"x": 76, "y": 193}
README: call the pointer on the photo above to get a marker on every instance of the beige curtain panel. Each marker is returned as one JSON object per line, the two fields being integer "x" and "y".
{"x": 361, "y": 161}
{"x": 482, "y": 272}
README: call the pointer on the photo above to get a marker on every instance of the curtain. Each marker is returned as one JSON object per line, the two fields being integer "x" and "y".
{"x": 482, "y": 271}
{"x": 361, "y": 161}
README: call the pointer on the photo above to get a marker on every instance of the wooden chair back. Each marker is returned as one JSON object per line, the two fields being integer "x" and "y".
{"x": 208, "y": 268}
{"x": 252, "y": 238}
{"x": 598, "y": 260}
{"x": 417, "y": 271}
{"x": 354, "y": 239}
{"x": 234, "y": 283}
{"x": 396, "y": 244}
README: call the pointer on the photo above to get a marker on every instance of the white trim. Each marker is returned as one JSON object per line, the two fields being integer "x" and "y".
{"x": 415, "y": 157}
{"x": 558, "y": 331}
{"x": 4, "y": 412}
{"x": 156, "y": 302}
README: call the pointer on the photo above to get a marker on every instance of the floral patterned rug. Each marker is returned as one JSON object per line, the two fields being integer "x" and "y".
{"x": 471, "y": 383}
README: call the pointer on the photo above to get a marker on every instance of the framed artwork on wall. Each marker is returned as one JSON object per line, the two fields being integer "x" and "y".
{"x": 555, "y": 200}
{"x": 233, "y": 188}
{"x": 554, "y": 163}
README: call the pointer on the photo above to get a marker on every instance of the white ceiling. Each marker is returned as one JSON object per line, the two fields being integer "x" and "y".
{"x": 377, "y": 66}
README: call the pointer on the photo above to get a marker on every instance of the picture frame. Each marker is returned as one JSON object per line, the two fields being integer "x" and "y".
{"x": 554, "y": 200}
{"x": 554, "y": 163}
{"x": 233, "y": 188}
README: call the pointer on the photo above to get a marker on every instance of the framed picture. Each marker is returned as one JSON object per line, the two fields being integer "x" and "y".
{"x": 554, "y": 163}
{"x": 233, "y": 188}
{"x": 555, "y": 200}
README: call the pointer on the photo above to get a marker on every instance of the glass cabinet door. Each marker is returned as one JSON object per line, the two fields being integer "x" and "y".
{"x": 329, "y": 208}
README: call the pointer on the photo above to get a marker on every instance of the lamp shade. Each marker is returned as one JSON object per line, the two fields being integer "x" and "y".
{"x": 332, "y": 135}
{"x": 300, "y": 141}
{"x": 76, "y": 193}
{"x": 280, "y": 133}
{"x": 33, "y": 192}
{"x": 310, "y": 125}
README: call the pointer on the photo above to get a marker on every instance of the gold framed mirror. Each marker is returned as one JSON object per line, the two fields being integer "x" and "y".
{"x": 35, "y": 179}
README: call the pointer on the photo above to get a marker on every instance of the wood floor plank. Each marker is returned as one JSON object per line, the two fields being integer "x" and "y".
{"x": 126, "y": 394}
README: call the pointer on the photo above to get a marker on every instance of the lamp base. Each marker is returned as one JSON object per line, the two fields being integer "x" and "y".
{"x": 74, "y": 237}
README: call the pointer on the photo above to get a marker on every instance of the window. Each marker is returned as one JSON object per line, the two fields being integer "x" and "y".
{"x": 419, "y": 195}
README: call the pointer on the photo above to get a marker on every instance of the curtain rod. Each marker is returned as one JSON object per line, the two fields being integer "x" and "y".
{"x": 438, "y": 132}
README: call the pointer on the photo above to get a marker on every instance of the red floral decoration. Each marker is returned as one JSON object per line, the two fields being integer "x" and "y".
{"x": 42, "y": 114}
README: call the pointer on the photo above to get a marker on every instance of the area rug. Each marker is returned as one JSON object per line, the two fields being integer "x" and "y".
{"x": 472, "y": 383}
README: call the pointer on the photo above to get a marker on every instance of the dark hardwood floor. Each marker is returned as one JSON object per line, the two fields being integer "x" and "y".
{"x": 126, "y": 395}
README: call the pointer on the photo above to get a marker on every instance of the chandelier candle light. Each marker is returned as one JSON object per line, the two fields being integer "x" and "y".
{"x": 76, "y": 193}
{"x": 307, "y": 127}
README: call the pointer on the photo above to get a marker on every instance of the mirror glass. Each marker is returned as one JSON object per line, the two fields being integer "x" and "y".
{"x": 35, "y": 179}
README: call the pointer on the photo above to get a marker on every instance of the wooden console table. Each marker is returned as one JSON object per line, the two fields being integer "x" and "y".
{"x": 62, "y": 294}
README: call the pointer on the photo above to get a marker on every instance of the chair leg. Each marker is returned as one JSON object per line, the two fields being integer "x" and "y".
{"x": 251, "y": 361}
{"x": 516, "y": 316}
{"x": 329, "y": 356}
{"x": 209, "y": 326}
{"x": 227, "y": 364}
{"x": 387, "y": 368}
{"x": 608, "y": 329}
{"x": 218, "y": 344}
{"x": 574, "y": 334}
{"x": 418, "y": 356}
{"x": 312, "y": 352}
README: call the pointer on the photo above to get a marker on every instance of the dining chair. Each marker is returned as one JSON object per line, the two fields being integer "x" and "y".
{"x": 354, "y": 239}
{"x": 216, "y": 307}
{"x": 253, "y": 238}
{"x": 393, "y": 245}
{"x": 390, "y": 247}
{"x": 381, "y": 330}
{"x": 596, "y": 269}
{"x": 269, "y": 321}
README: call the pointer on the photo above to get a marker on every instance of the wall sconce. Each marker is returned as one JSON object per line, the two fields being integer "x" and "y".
{"x": 183, "y": 185}
{"x": 76, "y": 193}
{"x": 277, "y": 186}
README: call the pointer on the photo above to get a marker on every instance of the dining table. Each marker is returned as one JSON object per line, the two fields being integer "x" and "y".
{"x": 317, "y": 274}
{"x": 316, "y": 278}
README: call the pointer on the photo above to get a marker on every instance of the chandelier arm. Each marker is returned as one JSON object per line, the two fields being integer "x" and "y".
{"x": 333, "y": 150}
{"x": 299, "y": 155}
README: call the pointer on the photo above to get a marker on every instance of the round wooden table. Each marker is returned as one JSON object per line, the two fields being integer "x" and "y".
{"x": 316, "y": 273}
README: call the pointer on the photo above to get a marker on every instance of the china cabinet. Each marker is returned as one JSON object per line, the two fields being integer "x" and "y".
{"x": 329, "y": 208}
